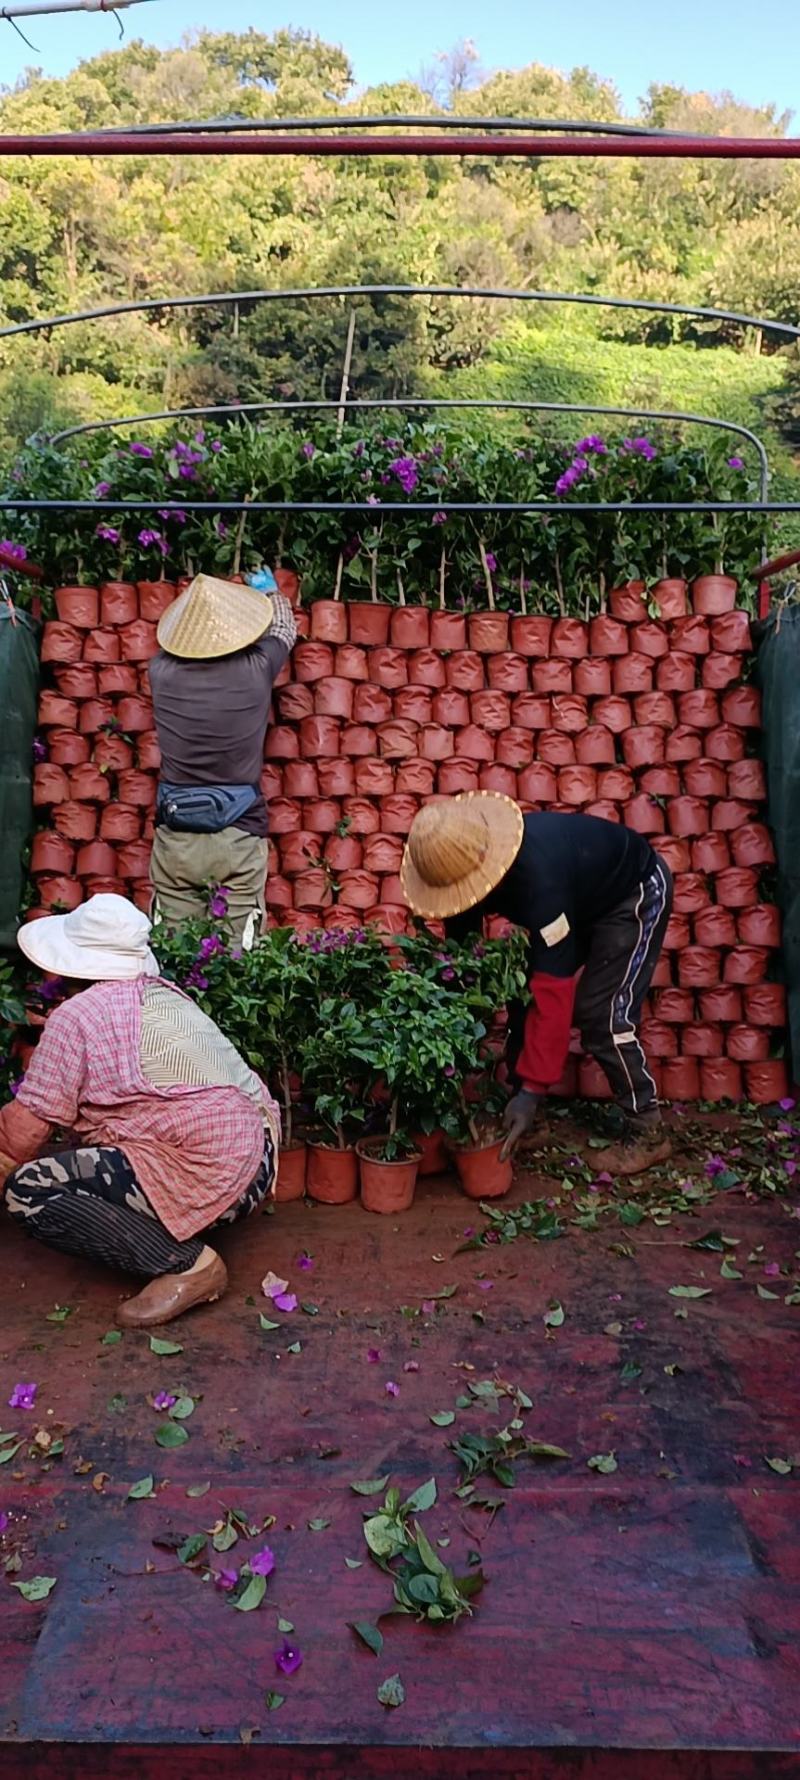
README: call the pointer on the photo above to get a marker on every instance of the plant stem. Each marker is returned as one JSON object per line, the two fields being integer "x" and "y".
{"x": 393, "y": 1116}
{"x": 559, "y": 583}
{"x": 337, "y": 586}
{"x": 486, "y": 575}
{"x": 287, "y": 1102}
{"x": 523, "y": 604}
{"x": 442, "y": 568}
{"x": 237, "y": 550}
{"x": 401, "y": 592}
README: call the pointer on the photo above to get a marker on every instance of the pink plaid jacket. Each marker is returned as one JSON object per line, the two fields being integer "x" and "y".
{"x": 194, "y": 1150}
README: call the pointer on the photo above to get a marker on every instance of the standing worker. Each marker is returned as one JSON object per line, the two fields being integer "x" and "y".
{"x": 221, "y": 647}
{"x": 593, "y": 897}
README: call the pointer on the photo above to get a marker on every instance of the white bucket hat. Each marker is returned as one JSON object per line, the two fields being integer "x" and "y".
{"x": 105, "y": 940}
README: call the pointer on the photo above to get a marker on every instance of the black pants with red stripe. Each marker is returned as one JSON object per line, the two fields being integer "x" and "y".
{"x": 623, "y": 952}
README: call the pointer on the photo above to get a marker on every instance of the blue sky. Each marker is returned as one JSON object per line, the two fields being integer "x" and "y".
{"x": 716, "y": 45}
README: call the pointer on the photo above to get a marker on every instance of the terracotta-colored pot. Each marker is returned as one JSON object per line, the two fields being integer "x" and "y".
{"x": 570, "y": 638}
{"x": 413, "y": 704}
{"x": 698, "y": 967}
{"x": 502, "y": 779}
{"x": 662, "y": 975}
{"x": 294, "y": 703}
{"x": 676, "y": 672}
{"x": 687, "y": 816}
{"x": 332, "y": 1175}
{"x": 299, "y": 849}
{"x": 488, "y": 632}
{"x": 569, "y": 713}
{"x": 464, "y": 671}
{"x": 730, "y": 633}
{"x": 710, "y": 853}
{"x": 359, "y": 890}
{"x": 433, "y": 1153}
{"x": 118, "y": 677}
{"x": 746, "y": 964}
{"x": 683, "y": 744}
{"x": 722, "y": 1003}
{"x": 336, "y": 778}
{"x": 119, "y": 603}
{"x": 287, "y": 583}
{"x": 386, "y": 1187}
{"x": 120, "y": 822}
{"x": 751, "y": 844}
{"x": 592, "y": 679}
{"x": 138, "y": 641}
{"x": 725, "y": 743}
{"x": 747, "y": 1044}
{"x": 557, "y": 748}
{"x": 737, "y": 887}
{"x": 730, "y": 813}
{"x": 472, "y": 743}
{"x": 328, "y": 622}
{"x": 319, "y": 737}
{"x": 75, "y": 821}
{"x": 595, "y": 747}
{"x": 690, "y": 895}
{"x": 363, "y": 818}
{"x": 358, "y": 740}
{"x": 78, "y": 681}
{"x": 644, "y": 815}
{"x": 741, "y": 706}
{"x": 715, "y": 926}
{"x": 397, "y": 740}
{"x": 112, "y": 754}
{"x": 660, "y": 781}
{"x": 675, "y": 1006}
{"x": 61, "y": 643}
{"x": 368, "y": 624}
{"x": 507, "y": 673}
{"x": 490, "y": 710}
{"x": 300, "y": 779}
{"x": 530, "y": 711}
{"x": 671, "y": 597}
{"x": 698, "y": 709}
{"x": 291, "y": 1180}
{"x": 321, "y": 815}
{"x": 721, "y": 671}
{"x": 133, "y": 859}
{"x": 426, "y": 668}
{"x": 614, "y": 713}
{"x": 397, "y": 814}
{"x": 311, "y": 662}
{"x": 704, "y": 778}
{"x": 627, "y": 602}
{"x": 552, "y": 675}
{"x": 764, "y": 1004}
{"x": 410, "y": 627}
{"x": 101, "y": 646}
{"x": 456, "y": 776}
{"x": 389, "y": 920}
{"x": 691, "y": 635}
{"x": 50, "y": 785}
{"x": 531, "y": 636}
{"x": 577, "y": 785}
{"x": 57, "y": 710}
{"x": 154, "y": 598}
{"x": 97, "y": 859}
{"x": 78, "y": 605}
{"x": 659, "y": 1038}
{"x": 392, "y": 894}
{"x": 632, "y": 674}
{"x": 311, "y": 890}
{"x": 333, "y": 698}
{"x": 760, "y": 925}
{"x": 674, "y": 852}
{"x": 99, "y": 886}
{"x": 746, "y": 779}
{"x": 97, "y": 713}
{"x": 480, "y": 1171}
{"x": 374, "y": 778}
{"x": 649, "y": 639}
{"x": 450, "y": 708}
{"x": 371, "y": 704}
{"x": 88, "y": 785}
{"x": 608, "y": 636}
{"x": 537, "y": 783}
{"x": 680, "y": 1078}
{"x": 389, "y": 668}
{"x": 350, "y": 663}
{"x": 285, "y": 816}
{"x": 713, "y": 593}
{"x": 52, "y": 853}
{"x": 436, "y": 743}
{"x": 383, "y": 853}
{"x": 134, "y": 715}
{"x": 448, "y": 631}
{"x": 655, "y": 707}
{"x": 766, "y": 1083}
{"x": 66, "y": 748}
{"x": 60, "y": 893}
{"x": 720, "y": 1079}
{"x": 593, "y": 1083}
{"x": 643, "y": 745}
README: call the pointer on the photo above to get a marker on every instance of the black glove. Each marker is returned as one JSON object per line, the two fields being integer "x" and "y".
{"x": 519, "y": 1118}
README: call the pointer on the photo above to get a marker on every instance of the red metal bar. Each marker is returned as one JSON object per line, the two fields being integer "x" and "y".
{"x": 778, "y": 564}
{"x": 761, "y": 148}
{"x": 20, "y": 565}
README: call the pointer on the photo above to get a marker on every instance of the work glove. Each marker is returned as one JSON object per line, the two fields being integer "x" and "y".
{"x": 519, "y": 1118}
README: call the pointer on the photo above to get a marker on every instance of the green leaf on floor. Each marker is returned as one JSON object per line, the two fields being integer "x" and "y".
{"x": 728, "y": 1271}
{"x": 9, "y": 1452}
{"x": 554, "y": 1315}
{"x": 60, "y": 1314}
{"x": 764, "y": 1292}
{"x": 392, "y": 1692}
{"x": 782, "y": 1466}
{"x": 369, "y": 1634}
{"x": 310, "y": 1309}
{"x": 191, "y": 1548}
{"x": 443, "y": 1418}
{"x": 423, "y": 1498}
{"x": 157, "y": 1346}
{"x": 294, "y": 1348}
{"x": 712, "y": 1241}
{"x": 197, "y": 1489}
{"x": 370, "y": 1486}
{"x": 170, "y": 1435}
{"x": 226, "y": 1537}
{"x": 37, "y": 1589}
{"x": 630, "y": 1372}
{"x": 690, "y": 1291}
{"x": 117, "y": 1404}
{"x": 604, "y": 1462}
{"x": 264, "y": 1323}
{"x": 112, "y": 1338}
{"x": 317, "y": 1526}
{"x": 273, "y": 1701}
{"x": 631, "y": 1214}
{"x": 142, "y": 1491}
{"x": 285, "y": 1625}
{"x": 354, "y": 1563}
{"x": 253, "y": 1595}
{"x": 182, "y": 1408}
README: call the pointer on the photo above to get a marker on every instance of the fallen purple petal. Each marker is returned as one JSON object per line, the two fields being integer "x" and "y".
{"x": 226, "y": 1579}
{"x": 428, "y": 1306}
{"x": 263, "y": 1563}
{"x": 392, "y": 1389}
{"x": 285, "y": 1301}
{"x": 4, "y": 1522}
{"x": 373, "y": 1356}
{"x": 411, "y": 1366}
{"x": 305, "y": 1263}
{"x": 23, "y": 1396}
{"x": 485, "y": 1285}
{"x": 288, "y": 1659}
{"x": 164, "y": 1400}
{"x": 772, "y": 1270}
{"x": 788, "y": 1104}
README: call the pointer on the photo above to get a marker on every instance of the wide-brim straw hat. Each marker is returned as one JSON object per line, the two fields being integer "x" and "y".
{"x": 214, "y": 618}
{"x": 458, "y": 851}
{"x": 104, "y": 940}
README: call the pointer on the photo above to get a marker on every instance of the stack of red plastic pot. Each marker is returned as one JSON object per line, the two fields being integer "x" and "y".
{"x": 639, "y": 719}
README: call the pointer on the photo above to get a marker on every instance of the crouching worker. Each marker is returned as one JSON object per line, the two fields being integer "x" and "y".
{"x": 171, "y": 1136}
{"x": 594, "y": 897}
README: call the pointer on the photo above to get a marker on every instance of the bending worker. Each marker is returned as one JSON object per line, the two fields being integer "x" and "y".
{"x": 221, "y": 649}
{"x": 594, "y": 898}
{"x": 170, "y": 1135}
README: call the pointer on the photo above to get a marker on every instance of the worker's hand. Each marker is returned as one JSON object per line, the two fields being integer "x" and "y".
{"x": 518, "y": 1119}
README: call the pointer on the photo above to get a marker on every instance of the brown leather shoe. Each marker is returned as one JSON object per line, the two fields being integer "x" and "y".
{"x": 165, "y": 1298}
{"x": 635, "y": 1153}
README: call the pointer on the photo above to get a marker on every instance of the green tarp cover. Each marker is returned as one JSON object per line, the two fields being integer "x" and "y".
{"x": 778, "y": 675}
{"x": 19, "y": 693}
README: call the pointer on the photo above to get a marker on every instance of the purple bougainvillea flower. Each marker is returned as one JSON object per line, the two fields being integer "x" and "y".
{"x": 305, "y": 1263}
{"x": 220, "y": 527}
{"x": 164, "y": 1400}
{"x": 485, "y": 1285}
{"x": 288, "y": 1658}
{"x": 208, "y": 946}
{"x": 23, "y": 1396}
{"x": 108, "y": 533}
{"x": 263, "y": 1563}
{"x": 641, "y": 447}
{"x": 285, "y": 1301}
{"x": 491, "y": 561}
{"x": 405, "y": 469}
{"x": 772, "y": 1270}
{"x": 216, "y": 445}
{"x": 218, "y": 903}
{"x": 138, "y": 449}
{"x": 735, "y": 463}
{"x": 101, "y": 490}
{"x": 226, "y": 1579}
{"x": 309, "y": 450}
{"x": 392, "y": 1389}
{"x": 714, "y": 1166}
{"x": 788, "y": 1104}
{"x": 592, "y": 442}
{"x": 373, "y": 1356}
{"x": 39, "y": 749}
{"x": 639, "y": 1325}
{"x": 411, "y": 1366}
{"x": 428, "y": 1306}
{"x": 449, "y": 1070}
{"x": 16, "y": 550}
{"x": 4, "y": 1521}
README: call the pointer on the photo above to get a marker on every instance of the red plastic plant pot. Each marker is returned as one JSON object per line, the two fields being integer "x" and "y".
{"x": 300, "y": 849}
{"x": 96, "y": 713}
{"x": 66, "y": 748}
{"x": 480, "y": 1171}
{"x": 649, "y": 639}
{"x": 730, "y": 633}
{"x": 691, "y": 635}
{"x": 332, "y": 1175}
{"x": 725, "y": 743}
{"x": 371, "y": 704}
{"x": 721, "y": 671}
{"x": 680, "y": 1078}
{"x": 741, "y": 706}
{"x": 660, "y": 781}
{"x": 392, "y": 894}
{"x": 728, "y": 814}
{"x": 498, "y": 778}
{"x": 311, "y": 890}
{"x": 751, "y": 845}
{"x": 662, "y": 975}
{"x": 659, "y": 1038}
{"x": 537, "y": 783}
{"x": 464, "y": 671}
{"x": 698, "y": 709}
{"x": 350, "y": 663}
{"x": 359, "y": 890}
{"x": 285, "y": 816}
{"x": 721, "y": 1079}
{"x": 60, "y": 893}
{"x": 705, "y": 778}
{"x": 88, "y": 785}
{"x": 675, "y": 1006}
{"x": 613, "y": 713}
{"x": 362, "y": 817}
{"x": 644, "y": 815}
{"x": 455, "y": 776}
{"x": 592, "y": 679}
{"x": 138, "y": 641}
{"x": 50, "y": 785}
{"x": 448, "y": 631}
{"x": 631, "y": 674}
{"x": 436, "y": 743}
{"x": 490, "y": 711}
{"x": 79, "y": 606}
{"x": 746, "y": 779}
{"x": 531, "y": 636}
{"x": 368, "y": 624}
{"x": 311, "y": 662}
{"x": 291, "y": 1180}
{"x": 676, "y": 672}
{"x": 699, "y": 1040}
{"x": 433, "y": 1152}
{"x": 101, "y": 646}
{"x": 154, "y": 598}
{"x": 334, "y": 698}
{"x": 766, "y": 1083}
{"x": 737, "y": 887}
{"x": 374, "y": 778}
{"x": 112, "y": 753}
{"x": 389, "y": 919}
{"x": 300, "y": 779}
{"x": 141, "y": 893}
{"x": 397, "y": 740}
{"x": 555, "y": 747}
{"x": 283, "y": 743}
{"x": 655, "y": 707}
{"x": 134, "y": 715}
{"x": 336, "y": 778}
{"x": 386, "y": 1187}
{"x": 593, "y": 1082}
{"x": 552, "y": 675}
{"x": 643, "y": 745}
{"x": 472, "y": 743}
{"x": 120, "y": 822}
{"x": 683, "y": 744}
{"x": 61, "y": 643}
{"x": 78, "y": 681}
{"x": 119, "y": 677}
{"x": 603, "y": 810}
{"x": 52, "y": 853}
{"x": 687, "y": 816}
{"x": 426, "y": 668}
{"x": 715, "y": 926}
{"x": 287, "y": 583}
{"x": 570, "y": 713}
{"x": 57, "y": 710}
{"x": 675, "y": 853}
{"x": 530, "y": 711}
{"x": 410, "y": 627}
{"x": 450, "y": 708}
{"x": 75, "y": 821}
{"x": 712, "y": 594}
{"x": 595, "y": 747}
{"x": 98, "y": 859}
{"x": 321, "y": 815}
{"x": 721, "y": 1004}
{"x": 627, "y": 602}
{"x": 745, "y": 965}
{"x": 608, "y": 636}
{"x": 488, "y": 632}
{"x": 328, "y": 622}
{"x": 747, "y": 1044}
{"x": 119, "y": 603}
{"x": 507, "y": 673}
{"x": 698, "y": 966}
{"x": 691, "y": 894}
{"x": 759, "y": 925}
{"x": 671, "y": 598}
{"x": 358, "y": 740}
{"x": 294, "y": 703}
{"x": 764, "y": 1004}
{"x": 388, "y": 668}
{"x": 710, "y": 853}
{"x": 413, "y": 704}
{"x": 319, "y": 738}
{"x": 570, "y": 638}
{"x": 397, "y": 813}
{"x": 616, "y": 784}
{"x": 577, "y": 785}
{"x": 383, "y": 853}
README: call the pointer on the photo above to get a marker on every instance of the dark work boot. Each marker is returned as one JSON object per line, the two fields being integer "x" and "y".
{"x": 644, "y": 1143}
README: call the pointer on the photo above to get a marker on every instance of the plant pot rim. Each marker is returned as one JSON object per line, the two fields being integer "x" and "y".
{"x": 336, "y": 1149}
{"x": 367, "y": 1145}
{"x": 486, "y": 1143}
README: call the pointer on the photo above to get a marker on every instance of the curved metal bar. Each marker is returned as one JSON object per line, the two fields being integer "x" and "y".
{"x": 428, "y": 402}
{"x": 202, "y": 142}
{"x": 24, "y": 504}
{"x": 152, "y": 305}
{"x": 552, "y": 125}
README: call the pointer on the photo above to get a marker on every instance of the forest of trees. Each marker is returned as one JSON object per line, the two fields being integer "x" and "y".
{"x": 76, "y": 233}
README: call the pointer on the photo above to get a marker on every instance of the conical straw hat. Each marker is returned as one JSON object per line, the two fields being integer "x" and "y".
{"x": 214, "y": 618}
{"x": 458, "y": 851}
